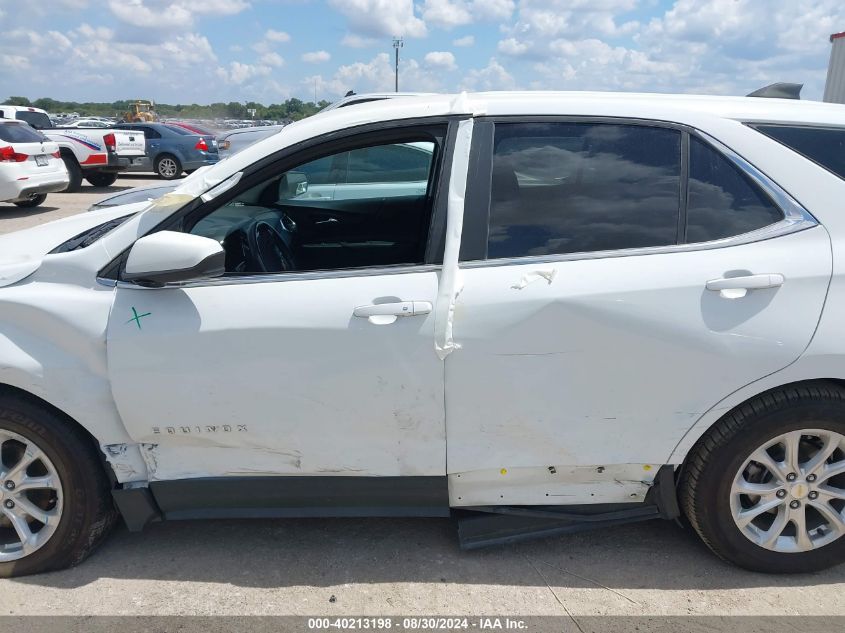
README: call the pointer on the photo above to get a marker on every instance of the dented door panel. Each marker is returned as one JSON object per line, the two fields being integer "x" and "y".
{"x": 607, "y": 362}
{"x": 279, "y": 378}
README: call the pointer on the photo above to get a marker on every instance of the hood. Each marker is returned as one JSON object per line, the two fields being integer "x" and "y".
{"x": 21, "y": 252}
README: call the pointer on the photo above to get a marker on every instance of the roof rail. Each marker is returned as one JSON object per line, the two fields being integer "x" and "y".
{"x": 779, "y": 90}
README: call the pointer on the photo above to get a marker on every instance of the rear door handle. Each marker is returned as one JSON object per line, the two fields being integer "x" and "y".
{"x": 737, "y": 287}
{"x": 386, "y": 313}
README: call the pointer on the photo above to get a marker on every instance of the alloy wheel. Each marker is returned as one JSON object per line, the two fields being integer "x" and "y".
{"x": 167, "y": 167}
{"x": 789, "y": 494}
{"x": 30, "y": 497}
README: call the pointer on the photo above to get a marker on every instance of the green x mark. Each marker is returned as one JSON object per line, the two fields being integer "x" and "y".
{"x": 137, "y": 317}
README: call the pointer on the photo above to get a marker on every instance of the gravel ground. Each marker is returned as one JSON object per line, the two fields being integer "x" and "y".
{"x": 399, "y": 566}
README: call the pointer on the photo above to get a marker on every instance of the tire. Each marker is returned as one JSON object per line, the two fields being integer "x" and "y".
{"x": 74, "y": 172}
{"x": 34, "y": 201}
{"x": 720, "y": 469}
{"x": 85, "y": 509}
{"x": 168, "y": 166}
{"x": 101, "y": 179}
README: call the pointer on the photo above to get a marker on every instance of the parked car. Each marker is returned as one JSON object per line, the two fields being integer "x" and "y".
{"x": 172, "y": 149}
{"x": 234, "y": 141}
{"x": 96, "y": 123}
{"x": 97, "y": 155}
{"x": 30, "y": 166}
{"x": 593, "y": 309}
{"x": 134, "y": 195}
{"x": 192, "y": 128}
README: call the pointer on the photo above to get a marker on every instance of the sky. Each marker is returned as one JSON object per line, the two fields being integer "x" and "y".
{"x": 205, "y": 51}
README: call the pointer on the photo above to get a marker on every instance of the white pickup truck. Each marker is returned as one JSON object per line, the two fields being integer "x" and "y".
{"x": 93, "y": 154}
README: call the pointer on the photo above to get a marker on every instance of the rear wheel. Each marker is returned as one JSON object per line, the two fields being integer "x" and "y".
{"x": 32, "y": 201}
{"x": 168, "y": 167}
{"x": 55, "y": 505}
{"x": 101, "y": 179}
{"x": 765, "y": 488}
{"x": 74, "y": 172}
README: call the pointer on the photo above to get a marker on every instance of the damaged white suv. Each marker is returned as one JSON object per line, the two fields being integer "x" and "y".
{"x": 535, "y": 312}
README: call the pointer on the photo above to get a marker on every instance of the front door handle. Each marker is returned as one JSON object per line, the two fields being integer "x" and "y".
{"x": 386, "y": 313}
{"x": 737, "y": 287}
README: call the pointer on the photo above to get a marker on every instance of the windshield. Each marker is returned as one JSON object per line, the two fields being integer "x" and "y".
{"x": 38, "y": 120}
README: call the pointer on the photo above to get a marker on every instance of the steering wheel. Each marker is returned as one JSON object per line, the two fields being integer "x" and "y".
{"x": 271, "y": 253}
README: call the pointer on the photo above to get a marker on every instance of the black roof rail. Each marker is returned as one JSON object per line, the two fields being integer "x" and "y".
{"x": 779, "y": 90}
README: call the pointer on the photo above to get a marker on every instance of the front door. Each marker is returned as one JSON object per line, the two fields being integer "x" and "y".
{"x": 314, "y": 355}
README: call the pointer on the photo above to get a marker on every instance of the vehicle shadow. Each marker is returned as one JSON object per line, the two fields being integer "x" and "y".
{"x": 328, "y": 552}
{"x": 10, "y": 211}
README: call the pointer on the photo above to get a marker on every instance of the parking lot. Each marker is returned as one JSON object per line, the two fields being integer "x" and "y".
{"x": 397, "y": 566}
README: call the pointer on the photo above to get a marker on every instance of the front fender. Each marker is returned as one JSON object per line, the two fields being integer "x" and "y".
{"x": 53, "y": 346}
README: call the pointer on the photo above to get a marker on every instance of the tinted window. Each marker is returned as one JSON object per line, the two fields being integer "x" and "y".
{"x": 825, "y": 146}
{"x": 315, "y": 217}
{"x": 19, "y": 133}
{"x": 38, "y": 120}
{"x": 722, "y": 202}
{"x": 390, "y": 163}
{"x": 576, "y": 187}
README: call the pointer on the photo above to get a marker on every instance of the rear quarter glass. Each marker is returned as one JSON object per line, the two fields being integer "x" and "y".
{"x": 825, "y": 146}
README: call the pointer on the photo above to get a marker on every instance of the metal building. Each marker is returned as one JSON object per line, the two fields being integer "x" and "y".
{"x": 834, "y": 89}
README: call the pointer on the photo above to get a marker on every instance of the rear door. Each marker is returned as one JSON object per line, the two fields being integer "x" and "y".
{"x": 621, "y": 279}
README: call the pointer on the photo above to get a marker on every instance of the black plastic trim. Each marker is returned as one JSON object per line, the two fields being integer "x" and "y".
{"x": 476, "y": 226}
{"x": 137, "y": 507}
{"x": 296, "y": 496}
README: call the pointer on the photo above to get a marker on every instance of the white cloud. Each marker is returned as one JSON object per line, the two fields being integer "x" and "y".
{"x": 316, "y": 57}
{"x": 168, "y": 13}
{"x": 239, "y": 73}
{"x": 385, "y": 18}
{"x": 494, "y": 76}
{"x": 356, "y": 41}
{"x": 451, "y": 13}
{"x": 466, "y": 40}
{"x": 276, "y": 36}
{"x": 272, "y": 59}
{"x": 440, "y": 59}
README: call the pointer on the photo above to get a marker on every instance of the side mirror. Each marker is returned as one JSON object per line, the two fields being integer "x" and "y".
{"x": 168, "y": 257}
{"x": 292, "y": 184}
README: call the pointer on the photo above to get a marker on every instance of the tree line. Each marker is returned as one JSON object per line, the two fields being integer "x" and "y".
{"x": 292, "y": 108}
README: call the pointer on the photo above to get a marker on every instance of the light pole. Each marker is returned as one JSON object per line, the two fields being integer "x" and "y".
{"x": 397, "y": 44}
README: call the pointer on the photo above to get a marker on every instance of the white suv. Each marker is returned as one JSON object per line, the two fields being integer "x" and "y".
{"x": 30, "y": 165}
{"x": 533, "y": 311}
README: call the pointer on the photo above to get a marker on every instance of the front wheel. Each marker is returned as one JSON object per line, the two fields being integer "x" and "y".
{"x": 765, "y": 488}
{"x": 101, "y": 179}
{"x": 168, "y": 167}
{"x": 55, "y": 504}
{"x": 32, "y": 201}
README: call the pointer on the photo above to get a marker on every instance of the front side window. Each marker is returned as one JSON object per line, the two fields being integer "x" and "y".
{"x": 368, "y": 206}
{"x": 721, "y": 201}
{"x": 579, "y": 187}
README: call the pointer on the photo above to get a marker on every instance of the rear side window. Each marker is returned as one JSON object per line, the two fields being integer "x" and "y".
{"x": 721, "y": 201}
{"x": 825, "y": 146}
{"x": 578, "y": 187}
{"x": 19, "y": 133}
{"x": 38, "y": 120}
